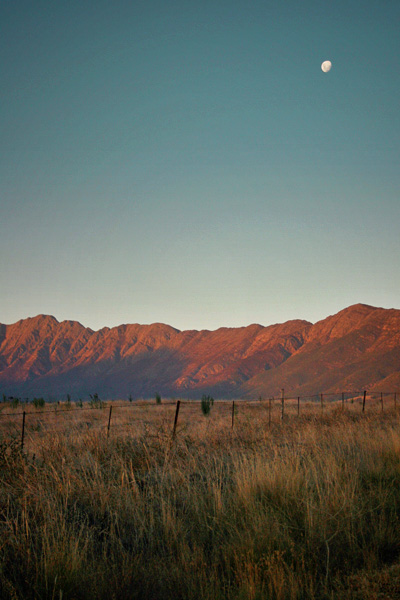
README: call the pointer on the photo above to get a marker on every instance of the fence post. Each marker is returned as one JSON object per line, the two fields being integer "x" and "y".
{"x": 395, "y": 401}
{"x": 382, "y": 401}
{"x": 298, "y": 406}
{"x": 363, "y": 404}
{"x": 269, "y": 412}
{"x": 283, "y": 403}
{"x": 176, "y": 418}
{"x": 342, "y": 400}
{"x": 23, "y": 430}
{"x": 233, "y": 413}
{"x": 109, "y": 422}
{"x": 322, "y": 401}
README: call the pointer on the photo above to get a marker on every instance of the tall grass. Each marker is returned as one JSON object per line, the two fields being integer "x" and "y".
{"x": 305, "y": 509}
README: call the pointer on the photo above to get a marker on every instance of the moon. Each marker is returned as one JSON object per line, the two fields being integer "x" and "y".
{"x": 326, "y": 66}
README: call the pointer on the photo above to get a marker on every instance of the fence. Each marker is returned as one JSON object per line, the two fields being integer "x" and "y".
{"x": 69, "y": 418}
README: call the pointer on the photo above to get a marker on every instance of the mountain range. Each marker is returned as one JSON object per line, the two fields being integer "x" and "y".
{"x": 357, "y": 348}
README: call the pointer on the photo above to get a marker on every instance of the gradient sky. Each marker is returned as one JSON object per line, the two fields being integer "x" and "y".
{"x": 188, "y": 162}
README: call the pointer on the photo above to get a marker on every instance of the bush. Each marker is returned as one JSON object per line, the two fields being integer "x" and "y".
{"x": 95, "y": 401}
{"x": 158, "y": 399}
{"x": 38, "y": 402}
{"x": 206, "y": 404}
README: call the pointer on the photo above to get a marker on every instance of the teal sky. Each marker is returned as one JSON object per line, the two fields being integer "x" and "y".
{"x": 190, "y": 163}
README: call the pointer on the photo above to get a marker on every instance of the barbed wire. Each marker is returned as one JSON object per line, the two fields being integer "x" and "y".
{"x": 74, "y": 408}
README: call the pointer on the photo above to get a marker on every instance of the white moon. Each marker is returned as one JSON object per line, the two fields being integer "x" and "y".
{"x": 326, "y": 66}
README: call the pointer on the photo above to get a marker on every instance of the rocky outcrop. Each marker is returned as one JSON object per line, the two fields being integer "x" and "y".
{"x": 357, "y": 348}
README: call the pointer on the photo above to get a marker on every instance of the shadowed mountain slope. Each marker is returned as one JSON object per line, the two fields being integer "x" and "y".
{"x": 357, "y": 348}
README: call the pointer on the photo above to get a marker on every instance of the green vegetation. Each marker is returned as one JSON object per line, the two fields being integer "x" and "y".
{"x": 206, "y": 403}
{"x": 158, "y": 399}
{"x": 38, "y": 402}
{"x": 308, "y": 509}
{"x": 95, "y": 401}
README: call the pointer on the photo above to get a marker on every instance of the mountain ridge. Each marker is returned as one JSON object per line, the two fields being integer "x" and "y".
{"x": 358, "y": 346}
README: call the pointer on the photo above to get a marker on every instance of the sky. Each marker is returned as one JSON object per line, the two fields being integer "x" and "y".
{"x": 189, "y": 162}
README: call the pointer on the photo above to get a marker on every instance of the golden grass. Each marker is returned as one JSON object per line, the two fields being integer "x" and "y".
{"x": 304, "y": 508}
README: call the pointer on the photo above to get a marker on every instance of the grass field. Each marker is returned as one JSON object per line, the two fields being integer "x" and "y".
{"x": 307, "y": 507}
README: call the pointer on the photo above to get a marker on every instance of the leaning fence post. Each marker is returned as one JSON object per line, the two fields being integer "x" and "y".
{"x": 363, "y": 404}
{"x": 176, "y": 418}
{"x": 23, "y": 430}
{"x": 233, "y": 413}
{"x": 109, "y": 422}
{"x": 283, "y": 403}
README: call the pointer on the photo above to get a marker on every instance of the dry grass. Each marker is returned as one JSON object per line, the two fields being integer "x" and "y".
{"x": 305, "y": 508}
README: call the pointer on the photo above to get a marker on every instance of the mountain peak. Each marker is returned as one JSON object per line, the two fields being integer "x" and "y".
{"x": 40, "y": 319}
{"x": 358, "y": 346}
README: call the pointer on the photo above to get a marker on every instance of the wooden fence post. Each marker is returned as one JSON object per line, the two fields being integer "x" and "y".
{"x": 322, "y": 401}
{"x": 233, "y": 413}
{"x": 178, "y": 404}
{"x": 363, "y": 404}
{"x": 382, "y": 401}
{"x": 23, "y": 430}
{"x": 283, "y": 403}
{"x": 109, "y": 422}
{"x": 342, "y": 400}
{"x": 298, "y": 406}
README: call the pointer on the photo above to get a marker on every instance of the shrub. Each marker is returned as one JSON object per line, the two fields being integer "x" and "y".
{"x": 206, "y": 404}
{"x": 38, "y": 402}
{"x": 95, "y": 401}
{"x": 158, "y": 399}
